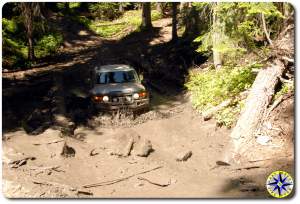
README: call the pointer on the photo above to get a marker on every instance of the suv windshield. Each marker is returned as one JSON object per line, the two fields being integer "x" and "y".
{"x": 117, "y": 77}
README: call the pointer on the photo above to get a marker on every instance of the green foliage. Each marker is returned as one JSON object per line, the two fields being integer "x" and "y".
{"x": 228, "y": 115}
{"x": 210, "y": 88}
{"x": 129, "y": 20}
{"x": 105, "y": 10}
{"x": 283, "y": 90}
{"x": 9, "y": 26}
{"x": 14, "y": 42}
{"x": 48, "y": 44}
{"x": 13, "y": 46}
{"x": 239, "y": 26}
{"x": 73, "y": 5}
{"x": 61, "y": 5}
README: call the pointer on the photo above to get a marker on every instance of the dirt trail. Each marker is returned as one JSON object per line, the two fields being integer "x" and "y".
{"x": 183, "y": 131}
{"x": 79, "y": 45}
{"x": 172, "y": 126}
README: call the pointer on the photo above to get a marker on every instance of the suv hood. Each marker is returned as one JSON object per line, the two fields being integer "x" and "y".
{"x": 117, "y": 89}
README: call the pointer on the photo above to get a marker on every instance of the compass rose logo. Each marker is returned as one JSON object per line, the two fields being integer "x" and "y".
{"x": 279, "y": 184}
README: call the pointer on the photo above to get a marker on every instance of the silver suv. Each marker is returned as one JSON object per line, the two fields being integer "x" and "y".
{"x": 118, "y": 86}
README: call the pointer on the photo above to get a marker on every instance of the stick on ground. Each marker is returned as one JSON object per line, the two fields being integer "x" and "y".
{"x": 110, "y": 182}
{"x": 154, "y": 183}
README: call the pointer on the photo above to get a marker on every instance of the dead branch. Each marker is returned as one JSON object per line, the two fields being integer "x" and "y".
{"x": 52, "y": 142}
{"x": 110, "y": 182}
{"x": 154, "y": 183}
{"x": 265, "y": 29}
{"x": 207, "y": 115}
{"x": 20, "y": 162}
{"x": 272, "y": 158}
{"x": 274, "y": 105}
{"x": 286, "y": 81}
{"x": 288, "y": 59}
{"x": 248, "y": 167}
{"x": 50, "y": 168}
{"x": 70, "y": 188}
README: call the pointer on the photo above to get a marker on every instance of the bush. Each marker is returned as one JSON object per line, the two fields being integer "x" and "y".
{"x": 211, "y": 87}
{"x": 48, "y": 44}
{"x": 105, "y": 10}
{"x": 9, "y": 25}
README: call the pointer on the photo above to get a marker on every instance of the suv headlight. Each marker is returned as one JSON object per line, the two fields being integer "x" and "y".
{"x": 105, "y": 98}
{"x": 135, "y": 96}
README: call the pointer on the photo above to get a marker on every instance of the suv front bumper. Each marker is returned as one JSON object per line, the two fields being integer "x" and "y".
{"x": 136, "y": 105}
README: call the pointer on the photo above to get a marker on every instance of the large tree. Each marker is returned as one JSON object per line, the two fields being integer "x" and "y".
{"x": 29, "y": 11}
{"x": 174, "y": 21}
{"x": 216, "y": 37}
{"x": 146, "y": 16}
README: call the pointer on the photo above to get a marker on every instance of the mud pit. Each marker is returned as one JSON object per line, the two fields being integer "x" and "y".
{"x": 94, "y": 171}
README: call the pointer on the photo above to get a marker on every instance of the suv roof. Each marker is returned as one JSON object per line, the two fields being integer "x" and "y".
{"x": 113, "y": 67}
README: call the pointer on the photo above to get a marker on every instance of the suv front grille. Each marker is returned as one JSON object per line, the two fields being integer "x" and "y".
{"x": 122, "y": 99}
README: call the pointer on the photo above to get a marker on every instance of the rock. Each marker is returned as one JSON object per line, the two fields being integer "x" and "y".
{"x": 222, "y": 163}
{"x": 139, "y": 184}
{"x": 123, "y": 143}
{"x": 184, "y": 156}
{"x": 142, "y": 148}
{"x": 68, "y": 151}
{"x": 122, "y": 146}
{"x": 94, "y": 152}
{"x": 64, "y": 124}
{"x": 252, "y": 187}
{"x": 37, "y": 122}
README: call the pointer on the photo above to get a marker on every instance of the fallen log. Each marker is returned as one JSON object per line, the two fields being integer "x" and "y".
{"x": 254, "y": 111}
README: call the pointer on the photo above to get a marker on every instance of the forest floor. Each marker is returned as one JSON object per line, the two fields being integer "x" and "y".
{"x": 34, "y": 167}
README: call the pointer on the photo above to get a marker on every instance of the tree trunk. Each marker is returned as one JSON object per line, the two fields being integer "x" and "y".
{"x": 182, "y": 6}
{"x": 217, "y": 57}
{"x": 30, "y": 49}
{"x": 159, "y": 8}
{"x": 121, "y": 8}
{"x": 174, "y": 21}
{"x": 146, "y": 16}
{"x": 255, "y": 108}
{"x": 191, "y": 21}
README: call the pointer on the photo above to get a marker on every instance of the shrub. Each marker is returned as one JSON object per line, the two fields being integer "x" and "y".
{"x": 211, "y": 87}
{"x": 48, "y": 44}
